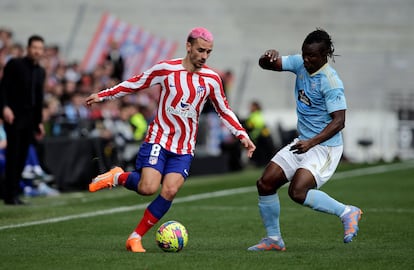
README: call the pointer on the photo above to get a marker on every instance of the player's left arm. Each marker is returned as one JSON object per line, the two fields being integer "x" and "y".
{"x": 335, "y": 126}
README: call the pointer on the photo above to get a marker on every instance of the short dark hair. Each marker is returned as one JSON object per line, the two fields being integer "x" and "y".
{"x": 256, "y": 104}
{"x": 34, "y": 38}
{"x": 321, "y": 36}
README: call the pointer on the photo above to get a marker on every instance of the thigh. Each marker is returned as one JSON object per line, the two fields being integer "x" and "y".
{"x": 322, "y": 162}
{"x": 150, "y": 180}
{"x": 302, "y": 181}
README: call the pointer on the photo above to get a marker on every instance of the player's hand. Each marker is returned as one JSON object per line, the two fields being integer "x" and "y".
{"x": 301, "y": 147}
{"x": 272, "y": 55}
{"x": 8, "y": 115}
{"x": 270, "y": 60}
{"x": 249, "y": 145}
{"x": 41, "y": 132}
{"x": 94, "y": 98}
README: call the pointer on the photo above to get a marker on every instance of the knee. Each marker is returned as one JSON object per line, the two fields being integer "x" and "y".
{"x": 146, "y": 189}
{"x": 296, "y": 194}
{"x": 265, "y": 186}
{"x": 169, "y": 192}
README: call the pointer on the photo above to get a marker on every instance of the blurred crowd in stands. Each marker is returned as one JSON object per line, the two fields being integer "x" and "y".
{"x": 122, "y": 123}
{"x": 64, "y": 112}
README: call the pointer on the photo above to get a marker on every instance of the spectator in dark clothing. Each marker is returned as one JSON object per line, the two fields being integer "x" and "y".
{"x": 21, "y": 92}
{"x": 115, "y": 58}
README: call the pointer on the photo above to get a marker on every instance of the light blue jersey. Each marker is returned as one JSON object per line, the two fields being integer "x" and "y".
{"x": 317, "y": 95}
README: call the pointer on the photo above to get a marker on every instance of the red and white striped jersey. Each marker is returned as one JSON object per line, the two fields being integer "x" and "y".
{"x": 182, "y": 98}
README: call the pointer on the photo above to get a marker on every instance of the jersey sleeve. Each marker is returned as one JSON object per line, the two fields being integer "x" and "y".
{"x": 334, "y": 93}
{"x": 142, "y": 81}
{"x": 292, "y": 63}
{"x": 335, "y": 100}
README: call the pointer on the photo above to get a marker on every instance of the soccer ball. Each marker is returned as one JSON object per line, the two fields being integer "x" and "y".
{"x": 171, "y": 236}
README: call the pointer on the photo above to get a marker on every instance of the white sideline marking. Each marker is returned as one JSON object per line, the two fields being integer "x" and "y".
{"x": 215, "y": 194}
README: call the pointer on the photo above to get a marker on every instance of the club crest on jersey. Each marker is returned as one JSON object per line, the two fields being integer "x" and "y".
{"x": 153, "y": 160}
{"x": 183, "y": 109}
{"x": 200, "y": 90}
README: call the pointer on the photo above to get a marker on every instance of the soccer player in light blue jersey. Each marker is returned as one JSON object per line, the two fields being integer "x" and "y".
{"x": 311, "y": 159}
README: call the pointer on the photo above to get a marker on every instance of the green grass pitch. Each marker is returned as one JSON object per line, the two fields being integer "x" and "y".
{"x": 88, "y": 230}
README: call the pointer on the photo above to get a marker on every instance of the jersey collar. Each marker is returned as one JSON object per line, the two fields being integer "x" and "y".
{"x": 319, "y": 70}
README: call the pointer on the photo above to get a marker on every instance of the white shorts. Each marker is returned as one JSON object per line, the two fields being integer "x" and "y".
{"x": 320, "y": 160}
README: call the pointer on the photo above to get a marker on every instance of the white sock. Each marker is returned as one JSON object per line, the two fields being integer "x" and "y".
{"x": 274, "y": 237}
{"x": 134, "y": 235}
{"x": 116, "y": 178}
{"x": 346, "y": 211}
{"x": 38, "y": 170}
{"x": 28, "y": 168}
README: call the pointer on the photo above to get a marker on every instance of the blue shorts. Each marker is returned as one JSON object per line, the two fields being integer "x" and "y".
{"x": 155, "y": 156}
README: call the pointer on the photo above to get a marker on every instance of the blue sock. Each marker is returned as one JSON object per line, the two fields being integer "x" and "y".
{"x": 132, "y": 181}
{"x": 269, "y": 207}
{"x": 320, "y": 201}
{"x": 159, "y": 207}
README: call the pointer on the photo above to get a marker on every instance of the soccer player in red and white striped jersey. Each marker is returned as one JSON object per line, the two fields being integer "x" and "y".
{"x": 166, "y": 155}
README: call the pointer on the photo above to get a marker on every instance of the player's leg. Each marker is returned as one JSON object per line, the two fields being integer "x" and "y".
{"x": 176, "y": 170}
{"x": 305, "y": 184}
{"x": 172, "y": 182}
{"x": 276, "y": 174}
{"x": 302, "y": 190}
{"x": 269, "y": 207}
{"x": 145, "y": 183}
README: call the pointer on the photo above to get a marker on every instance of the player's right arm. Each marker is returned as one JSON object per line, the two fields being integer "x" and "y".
{"x": 271, "y": 60}
{"x": 134, "y": 84}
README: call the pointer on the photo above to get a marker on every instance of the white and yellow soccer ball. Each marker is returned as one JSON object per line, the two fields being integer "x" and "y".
{"x": 171, "y": 236}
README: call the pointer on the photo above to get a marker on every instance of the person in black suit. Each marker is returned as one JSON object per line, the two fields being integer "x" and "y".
{"x": 21, "y": 92}
{"x": 115, "y": 58}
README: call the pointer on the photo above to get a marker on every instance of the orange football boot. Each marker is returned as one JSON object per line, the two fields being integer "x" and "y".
{"x": 134, "y": 244}
{"x": 105, "y": 180}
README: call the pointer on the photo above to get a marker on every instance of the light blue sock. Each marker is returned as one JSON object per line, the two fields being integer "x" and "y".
{"x": 269, "y": 207}
{"x": 320, "y": 201}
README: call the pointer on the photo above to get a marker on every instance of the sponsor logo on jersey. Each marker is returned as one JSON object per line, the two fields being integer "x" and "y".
{"x": 303, "y": 98}
{"x": 184, "y": 105}
{"x": 183, "y": 109}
